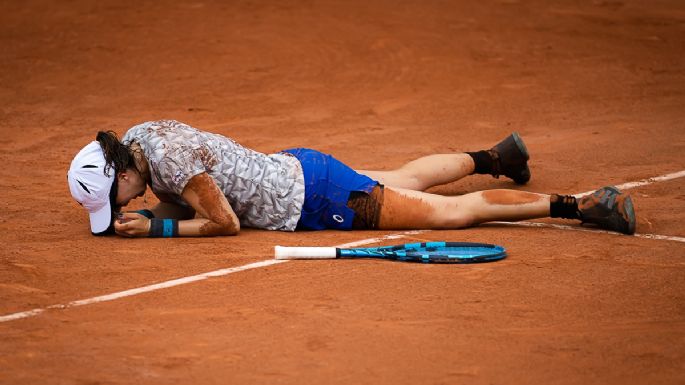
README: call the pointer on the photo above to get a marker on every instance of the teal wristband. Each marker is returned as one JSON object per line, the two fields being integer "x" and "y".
{"x": 163, "y": 228}
{"x": 146, "y": 213}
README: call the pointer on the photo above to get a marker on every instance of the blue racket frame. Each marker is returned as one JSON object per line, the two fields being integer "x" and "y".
{"x": 430, "y": 252}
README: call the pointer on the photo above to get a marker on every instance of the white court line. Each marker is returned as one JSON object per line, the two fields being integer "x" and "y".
{"x": 643, "y": 182}
{"x": 185, "y": 280}
{"x": 624, "y": 186}
{"x": 575, "y": 228}
{"x": 218, "y": 273}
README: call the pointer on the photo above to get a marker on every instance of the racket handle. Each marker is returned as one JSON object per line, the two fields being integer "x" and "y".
{"x": 282, "y": 252}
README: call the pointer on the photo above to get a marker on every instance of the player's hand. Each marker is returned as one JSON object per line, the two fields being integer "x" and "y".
{"x": 132, "y": 225}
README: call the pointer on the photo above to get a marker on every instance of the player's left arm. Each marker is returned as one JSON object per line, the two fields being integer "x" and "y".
{"x": 204, "y": 196}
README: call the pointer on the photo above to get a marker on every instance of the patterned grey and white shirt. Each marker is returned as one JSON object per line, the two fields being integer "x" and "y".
{"x": 265, "y": 191}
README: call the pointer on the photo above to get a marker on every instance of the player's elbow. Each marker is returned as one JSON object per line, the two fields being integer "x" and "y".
{"x": 233, "y": 229}
{"x": 230, "y": 226}
{"x": 212, "y": 228}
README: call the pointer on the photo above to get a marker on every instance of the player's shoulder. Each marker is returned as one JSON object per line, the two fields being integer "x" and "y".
{"x": 160, "y": 127}
{"x": 159, "y": 130}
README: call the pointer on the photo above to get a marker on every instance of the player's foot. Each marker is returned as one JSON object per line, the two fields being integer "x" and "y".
{"x": 511, "y": 159}
{"x": 609, "y": 209}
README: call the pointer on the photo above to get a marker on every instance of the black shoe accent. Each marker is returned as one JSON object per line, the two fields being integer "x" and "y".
{"x": 482, "y": 161}
{"x": 563, "y": 206}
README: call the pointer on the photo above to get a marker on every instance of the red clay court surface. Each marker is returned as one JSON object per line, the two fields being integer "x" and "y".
{"x": 596, "y": 89}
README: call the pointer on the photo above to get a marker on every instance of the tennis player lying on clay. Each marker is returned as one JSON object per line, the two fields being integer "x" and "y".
{"x": 210, "y": 185}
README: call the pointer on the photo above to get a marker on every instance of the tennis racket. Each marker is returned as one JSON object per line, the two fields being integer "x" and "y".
{"x": 428, "y": 252}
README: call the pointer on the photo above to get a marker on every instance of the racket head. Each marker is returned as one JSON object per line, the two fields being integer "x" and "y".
{"x": 432, "y": 252}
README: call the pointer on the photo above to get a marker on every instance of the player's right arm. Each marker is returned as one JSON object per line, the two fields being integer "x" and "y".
{"x": 215, "y": 214}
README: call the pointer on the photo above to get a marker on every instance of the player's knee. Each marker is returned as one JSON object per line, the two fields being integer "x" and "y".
{"x": 416, "y": 183}
{"x": 456, "y": 218}
{"x": 413, "y": 181}
{"x": 462, "y": 220}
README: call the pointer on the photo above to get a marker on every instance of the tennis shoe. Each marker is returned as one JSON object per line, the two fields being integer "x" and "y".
{"x": 510, "y": 158}
{"x": 609, "y": 209}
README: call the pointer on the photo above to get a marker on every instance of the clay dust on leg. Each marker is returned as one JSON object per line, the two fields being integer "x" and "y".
{"x": 402, "y": 211}
{"x": 510, "y": 197}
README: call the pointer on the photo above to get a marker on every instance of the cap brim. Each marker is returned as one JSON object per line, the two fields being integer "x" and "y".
{"x": 101, "y": 219}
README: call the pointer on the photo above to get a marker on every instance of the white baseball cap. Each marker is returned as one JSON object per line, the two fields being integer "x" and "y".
{"x": 90, "y": 185}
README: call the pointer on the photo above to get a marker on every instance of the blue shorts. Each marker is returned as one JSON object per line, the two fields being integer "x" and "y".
{"x": 327, "y": 187}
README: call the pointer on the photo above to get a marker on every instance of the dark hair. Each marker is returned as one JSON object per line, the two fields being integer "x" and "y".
{"x": 117, "y": 155}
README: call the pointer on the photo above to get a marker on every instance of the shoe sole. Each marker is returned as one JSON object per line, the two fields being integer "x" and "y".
{"x": 524, "y": 151}
{"x": 630, "y": 211}
{"x": 521, "y": 146}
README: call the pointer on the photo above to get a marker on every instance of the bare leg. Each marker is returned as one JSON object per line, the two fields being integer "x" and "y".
{"x": 403, "y": 209}
{"x": 422, "y": 173}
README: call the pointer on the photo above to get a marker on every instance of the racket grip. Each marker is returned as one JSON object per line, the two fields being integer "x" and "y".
{"x": 282, "y": 252}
